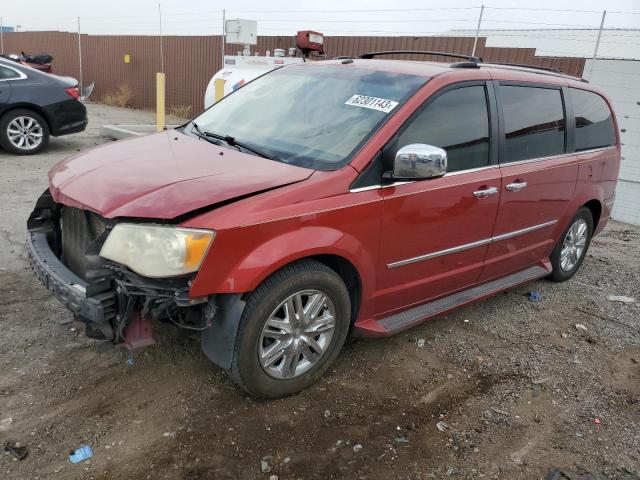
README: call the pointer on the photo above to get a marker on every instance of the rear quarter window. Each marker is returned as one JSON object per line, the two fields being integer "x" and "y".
{"x": 594, "y": 122}
{"x": 8, "y": 73}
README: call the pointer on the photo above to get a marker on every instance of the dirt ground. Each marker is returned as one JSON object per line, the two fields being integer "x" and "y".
{"x": 519, "y": 388}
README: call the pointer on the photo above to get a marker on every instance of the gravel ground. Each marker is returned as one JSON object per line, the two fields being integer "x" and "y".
{"x": 516, "y": 389}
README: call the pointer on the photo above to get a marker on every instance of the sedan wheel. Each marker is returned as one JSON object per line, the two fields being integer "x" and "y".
{"x": 25, "y": 133}
{"x": 297, "y": 334}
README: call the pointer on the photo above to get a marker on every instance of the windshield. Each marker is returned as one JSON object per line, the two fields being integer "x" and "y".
{"x": 310, "y": 116}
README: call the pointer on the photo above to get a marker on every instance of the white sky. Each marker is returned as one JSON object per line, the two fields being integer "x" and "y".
{"x": 332, "y": 17}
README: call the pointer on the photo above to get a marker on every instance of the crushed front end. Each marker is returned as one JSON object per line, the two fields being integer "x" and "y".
{"x": 115, "y": 303}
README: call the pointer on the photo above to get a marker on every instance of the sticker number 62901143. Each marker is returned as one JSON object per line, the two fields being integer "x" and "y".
{"x": 374, "y": 103}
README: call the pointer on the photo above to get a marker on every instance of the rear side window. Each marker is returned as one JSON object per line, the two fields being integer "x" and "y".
{"x": 457, "y": 121}
{"x": 594, "y": 123}
{"x": 8, "y": 73}
{"x": 534, "y": 123}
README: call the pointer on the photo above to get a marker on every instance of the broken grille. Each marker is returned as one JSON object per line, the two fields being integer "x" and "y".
{"x": 78, "y": 229}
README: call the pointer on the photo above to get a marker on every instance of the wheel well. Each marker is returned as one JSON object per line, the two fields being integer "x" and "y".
{"x": 33, "y": 108}
{"x": 349, "y": 274}
{"x": 596, "y": 211}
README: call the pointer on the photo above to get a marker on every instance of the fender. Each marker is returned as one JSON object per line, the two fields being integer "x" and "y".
{"x": 261, "y": 260}
{"x": 586, "y": 191}
{"x": 26, "y": 106}
{"x": 315, "y": 240}
{"x": 218, "y": 340}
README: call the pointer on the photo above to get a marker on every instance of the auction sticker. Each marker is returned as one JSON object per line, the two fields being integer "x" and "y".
{"x": 374, "y": 103}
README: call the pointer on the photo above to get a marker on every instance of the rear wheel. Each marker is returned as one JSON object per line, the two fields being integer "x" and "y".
{"x": 570, "y": 251}
{"x": 292, "y": 329}
{"x": 23, "y": 132}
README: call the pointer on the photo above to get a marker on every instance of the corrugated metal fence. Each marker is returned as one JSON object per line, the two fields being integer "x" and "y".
{"x": 190, "y": 61}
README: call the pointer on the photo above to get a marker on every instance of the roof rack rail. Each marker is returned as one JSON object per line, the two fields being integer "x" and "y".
{"x": 470, "y": 58}
{"x": 543, "y": 70}
{"x": 466, "y": 64}
{"x": 470, "y": 61}
{"x": 524, "y": 65}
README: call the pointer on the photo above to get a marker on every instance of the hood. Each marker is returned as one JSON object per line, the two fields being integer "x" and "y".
{"x": 163, "y": 176}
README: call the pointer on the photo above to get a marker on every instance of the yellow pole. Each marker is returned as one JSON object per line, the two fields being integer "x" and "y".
{"x": 218, "y": 85}
{"x": 160, "y": 89}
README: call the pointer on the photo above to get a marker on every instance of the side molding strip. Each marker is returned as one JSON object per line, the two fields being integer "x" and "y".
{"x": 468, "y": 246}
{"x": 515, "y": 233}
{"x": 460, "y": 248}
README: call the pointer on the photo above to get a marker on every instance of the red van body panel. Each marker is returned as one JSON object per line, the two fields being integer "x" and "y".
{"x": 268, "y": 214}
{"x": 341, "y": 224}
{"x": 373, "y": 228}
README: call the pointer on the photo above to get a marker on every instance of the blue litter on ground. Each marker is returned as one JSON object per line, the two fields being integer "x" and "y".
{"x": 81, "y": 454}
{"x": 534, "y": 296}
{"x": 131, "y": 361}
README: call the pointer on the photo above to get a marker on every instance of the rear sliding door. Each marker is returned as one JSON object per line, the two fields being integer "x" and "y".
{"x": 538, "y": 175}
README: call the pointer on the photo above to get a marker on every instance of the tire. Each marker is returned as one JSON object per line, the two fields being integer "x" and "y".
{"x": 563, "y": 270}
{"x": 22, "y": 125}
{"x": 264, "y": 309}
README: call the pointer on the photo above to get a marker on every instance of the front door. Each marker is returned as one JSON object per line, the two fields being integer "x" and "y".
{"x": 538, "y": 177}
{"x": 436, "y": 232}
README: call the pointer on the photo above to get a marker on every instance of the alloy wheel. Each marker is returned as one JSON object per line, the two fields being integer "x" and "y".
{"x": 574, "y": 244}
{"x": 25, "y": 133}
{"x": 297, "y": 334}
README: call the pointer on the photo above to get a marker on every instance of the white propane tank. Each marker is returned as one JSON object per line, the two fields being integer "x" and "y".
{"x": 239, "y": 69}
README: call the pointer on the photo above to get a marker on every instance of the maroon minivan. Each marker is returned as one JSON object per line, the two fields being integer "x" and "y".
{"x": 359, "y": 196}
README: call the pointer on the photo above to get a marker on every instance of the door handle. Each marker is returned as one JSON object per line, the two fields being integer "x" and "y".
{"x": 516, "y": 186}
{"x": 485, "y": 192}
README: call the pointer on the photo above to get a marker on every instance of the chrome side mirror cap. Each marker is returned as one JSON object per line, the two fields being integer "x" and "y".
{"x": 419, "y": 161}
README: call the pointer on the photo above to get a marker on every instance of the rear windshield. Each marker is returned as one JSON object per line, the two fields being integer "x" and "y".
{"x": 310, "y": 116}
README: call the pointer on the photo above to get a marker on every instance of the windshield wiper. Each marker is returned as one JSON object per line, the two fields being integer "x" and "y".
{"x": 206, "y": 135}
{"x": 232, "y": 142}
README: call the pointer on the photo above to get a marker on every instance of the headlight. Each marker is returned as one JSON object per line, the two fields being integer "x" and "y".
{"x": 154, "y": 251}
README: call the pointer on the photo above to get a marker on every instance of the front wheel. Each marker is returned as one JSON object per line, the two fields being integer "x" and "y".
{"x": 23, "y": 132}
{"x": 291, "y": 330}
{"x": 570, "y": 251}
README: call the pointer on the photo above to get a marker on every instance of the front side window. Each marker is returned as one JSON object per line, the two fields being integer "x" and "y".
{"x": 594, "y": 123}
{"x": 534, "y": 123}
{"x": 458, "y": 122}
{"x": 314, "y": 116}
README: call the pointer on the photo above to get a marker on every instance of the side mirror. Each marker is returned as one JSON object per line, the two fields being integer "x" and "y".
{"x": 418, "y": 161}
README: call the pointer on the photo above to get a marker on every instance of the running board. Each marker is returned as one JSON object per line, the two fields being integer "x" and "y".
{"x": 414, "y": 316}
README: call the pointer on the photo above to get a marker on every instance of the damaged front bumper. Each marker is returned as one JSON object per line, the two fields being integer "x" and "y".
{"x": 122, "y": 312}
{"x": 63, "y": 246}
{"x": 115, "y": 303}
{"x": 97, "y": 310}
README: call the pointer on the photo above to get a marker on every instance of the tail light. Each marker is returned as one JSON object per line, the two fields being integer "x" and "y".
{"x": 73, "y": 92}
